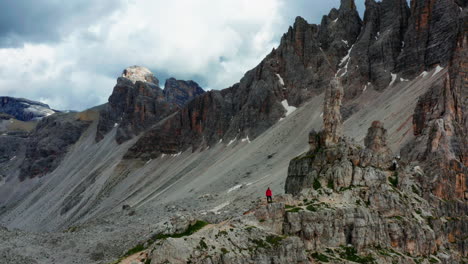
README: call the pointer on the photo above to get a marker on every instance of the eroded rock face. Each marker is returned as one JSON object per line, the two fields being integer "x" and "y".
{"x": 332, "y": 122}
{"x": 352, "y": 164}
{"x": 375, "y": 53}
{"x": 376, "y": 138}
{"x": 137, "y": 103}
{"x": 49, "y": 142}
{"x": 441, "y": 130}
{"x": 180, "y": 92}
{"x": 431, "y": 36}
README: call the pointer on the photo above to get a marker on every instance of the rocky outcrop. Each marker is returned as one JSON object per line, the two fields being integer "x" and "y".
{"x": 180, "y": 92}
{"x": 431, "y": 36}
{"x": 441, "y": 130}
{"x": 376, "y": 138}
{"x": 49, "y": 142}
{"x": 332, "y": 122}
{"x": 137, "y": 103}
{"x": 23, "y": 109}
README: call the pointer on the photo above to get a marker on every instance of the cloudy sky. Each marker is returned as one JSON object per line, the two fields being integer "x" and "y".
{"x": 69, "y": 53}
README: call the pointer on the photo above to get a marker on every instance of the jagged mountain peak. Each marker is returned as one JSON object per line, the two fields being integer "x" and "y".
{"x": 139, "y": 73}
{"x": 348, "y": 5}
{"x": 180, "y": 92}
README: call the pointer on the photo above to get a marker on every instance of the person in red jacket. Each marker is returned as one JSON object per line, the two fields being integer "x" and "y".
{"x": 268, "y": 195}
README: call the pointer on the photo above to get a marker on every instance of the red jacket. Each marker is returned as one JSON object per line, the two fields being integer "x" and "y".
{"x": 268, "y": 192}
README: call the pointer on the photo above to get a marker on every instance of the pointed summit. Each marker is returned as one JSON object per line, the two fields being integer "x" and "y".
{"x": 347, "y": 5}
{"x": 332, "y": 121}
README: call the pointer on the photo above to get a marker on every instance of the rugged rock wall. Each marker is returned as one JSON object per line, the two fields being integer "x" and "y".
{"x": 180, "y": 92}
{"x": 137, "y": 102}
{"x": 441, "y": 128}
{"x": 49, "y": 142}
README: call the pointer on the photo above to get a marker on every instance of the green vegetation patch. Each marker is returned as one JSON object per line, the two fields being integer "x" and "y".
{"x": 311, "y": 208}
{"x": 136, "y": 249}
{"x": 259, "y": 243}
{"x": 316, "y": 184}
{"x": 294, "y": 210}
{"x": 415, "y": 190}
{"x": 394, "y": 180}
{"x": 320, "y": 257}
{"x": 274, "y": 240}
{"x": 331, "y": 184}
{"x": 190, "y": 230}
{"x": 350, "y": 253}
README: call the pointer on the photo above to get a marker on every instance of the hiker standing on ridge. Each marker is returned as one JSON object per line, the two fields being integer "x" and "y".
{"x": 268, "y": 195}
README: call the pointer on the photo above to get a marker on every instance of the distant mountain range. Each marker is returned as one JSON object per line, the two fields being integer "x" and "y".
{"x": 24, "y": 109}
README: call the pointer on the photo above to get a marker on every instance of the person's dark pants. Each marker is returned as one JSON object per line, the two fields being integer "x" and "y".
{"x": 269, "y": 200}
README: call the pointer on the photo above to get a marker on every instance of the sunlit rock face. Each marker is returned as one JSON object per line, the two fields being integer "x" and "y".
{"x": 139, "y": 73}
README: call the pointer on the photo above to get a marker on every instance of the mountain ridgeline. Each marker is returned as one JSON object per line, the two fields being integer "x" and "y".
{"x": 383, "y": 179}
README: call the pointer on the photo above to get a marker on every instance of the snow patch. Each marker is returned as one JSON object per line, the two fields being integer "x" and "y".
{"x": 38, "y": 110}
{"x": 116, "y": 124}
{"x": 367, "y": 85}
{"x": 232, "y": 141}
{"x": 423, "y": 74}
{"x": 149, "y": 161}
{"x": 219, "y": 207}
{"x": 163, "y": 155}
{"x": 345, "y": 59}
{"x": 246, "y": 139}
{"x": 220, "y": 141}
{"x": 404, "y": 80}
{"x": 281, "y": 81}
{"x": 234, "y": 188}
{"x": 289, "y": 109}
{"x": 394, "y": 77}
{"x": 14, "y": 157}
{"x": 437, "y": 70}
{"x": 336, "y": 20}
{"x": 345, "y": 41}
{"x": 176, "y": 155}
